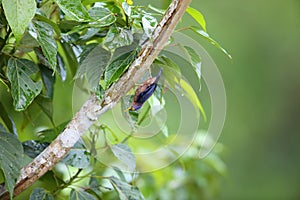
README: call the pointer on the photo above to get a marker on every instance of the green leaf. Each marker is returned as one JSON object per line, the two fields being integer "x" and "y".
{"x": 194, "y": 59}
{"x": 125, "y": 155}
{"x": 190, "y": 93}
{"x": 130, "y": 116}
{"x": 33, "y": 148}
{"x": 149, "y": 24}
{"x": 118, "y": 37}
{"x": 197, "y": 15}
{"x": 40, "y": 194}
{"x": 94, "y": 185}
{"x": 78, "y": 156}
{"x": 23, "y": 89}
{"x": 125, "y": 190}
{"x": 11, "y": 153}
{"x": 74, "y": 9}
{"x": 48, "y": 80}
{"x": 81, "y": 195}
{"x": 102, "y": 17}
{"x": 46, "y": 105}
{"x": 118, "y": 66}
{"x": 92, "y": 64}
{"x": 19, "y": 13}
{"x": 126, "y": 8}
{"x": 48, "y": 135}
{"x": 9, "y": 122}
{"x": 45, "y": 37}
{"x": 208, "y": 38}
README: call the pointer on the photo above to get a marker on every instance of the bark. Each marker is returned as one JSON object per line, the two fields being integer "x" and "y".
{"x": 93, "y": 108}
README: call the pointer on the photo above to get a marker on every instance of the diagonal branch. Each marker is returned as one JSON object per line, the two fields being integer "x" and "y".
{"x": 93, "y": 109}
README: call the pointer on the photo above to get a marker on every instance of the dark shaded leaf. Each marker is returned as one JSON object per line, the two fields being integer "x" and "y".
{"x": 125, "y": 190}
{"x": 11, "y": 153}
{"x": 45, "y": 37}
{"x": 125, "y": 155}
{"x": 48, "y": 80}
{"x": 74, "y": 9}
{"x": 19, "y": 13}
{"x": 208, "y": 38}
{"x": 49, "y": 135}
{"x": 40, "y": 194}
{"x": 94, "y": 185}
{"x": 118, "y": 66}
{"x": 9, "y": 122}
{"x": 78, "y": 156}
{"x": 93, "y": 64}
{"x": 46, "y": 105}
{"x": 62, "y": 71}
{"x": 23, "y": 89}
{"x": 81, "y": 195}
{"x": 33, "y": 148}
{"x": 71, "y": 58}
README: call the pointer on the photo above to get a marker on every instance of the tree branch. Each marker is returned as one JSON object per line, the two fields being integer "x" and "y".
{"x": 93, "y": 109}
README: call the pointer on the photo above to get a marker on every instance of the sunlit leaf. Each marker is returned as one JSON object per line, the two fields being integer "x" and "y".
{"x": 149, "y": 24}
{"x": 102, "y": 16}
{"x": 117, "y": 67}
{"x": 125, "y": 155}
{"x": 125, "y": 190}
{"x": 74, "y": 9}
{"x": 208, "y": 38}
{"x": 78, "y": 156}
{"x": 93, "y": 61}
{"x": 40, "y": 194}
{"x": 126, "y": 8}
{"x": 118, "y": 37}
{"x": 81, "y": 195}
{"x": 11, "y": 153}
{"x": 45, "y": 37}
{"x": 197, "y": 15}
{"x": 23, "y": 89}
{"x": 19, "y": 13}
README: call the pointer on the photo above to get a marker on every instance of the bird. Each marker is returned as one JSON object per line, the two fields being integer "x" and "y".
{"x": 144, "y": 91}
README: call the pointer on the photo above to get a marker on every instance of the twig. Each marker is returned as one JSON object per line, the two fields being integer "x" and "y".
{"x": 93, "y": 109}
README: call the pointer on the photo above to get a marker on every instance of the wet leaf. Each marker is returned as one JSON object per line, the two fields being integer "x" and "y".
{"x": 19, "y": 13}
{"x": 45, "y": 37}
{"x": 149, "y": 24}
{"x": 74, "y": 9}
{"x": 102, "y": 17}
{"x": 118, "y": 37}
{"x": 23, "y": 89}
{"x": 11, "y": 153}
{"x": 125, "y": 190}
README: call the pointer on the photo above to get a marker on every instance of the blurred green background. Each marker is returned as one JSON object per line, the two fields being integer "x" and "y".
{"x": 262, "y": 131}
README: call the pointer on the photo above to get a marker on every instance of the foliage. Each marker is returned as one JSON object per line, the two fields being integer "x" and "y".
{"x": 81, "y": 40}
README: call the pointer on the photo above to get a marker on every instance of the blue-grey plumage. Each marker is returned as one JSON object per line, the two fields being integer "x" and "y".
{"x": 144, "y": 91}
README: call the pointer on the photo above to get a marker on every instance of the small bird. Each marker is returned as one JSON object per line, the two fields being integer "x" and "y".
{"x": 144, "y": 91}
